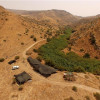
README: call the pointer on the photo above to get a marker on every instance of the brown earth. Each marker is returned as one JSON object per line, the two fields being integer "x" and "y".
{"x": 82, "y": 38}
{"x": 41, "y": 88}
{"x": 13, "y": 33}
{"x": 50, "y": 17}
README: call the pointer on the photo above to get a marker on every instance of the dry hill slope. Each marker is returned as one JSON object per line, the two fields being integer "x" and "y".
{"x": 86, "y": 39}
{"x": 56, "y": 17}
{"x": 15, "y": 32}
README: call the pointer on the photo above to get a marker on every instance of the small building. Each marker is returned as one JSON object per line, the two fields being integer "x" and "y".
{"x": 22, "y": 78}
{"x": 42, "y": 69}
{"x": 69, "y": 76}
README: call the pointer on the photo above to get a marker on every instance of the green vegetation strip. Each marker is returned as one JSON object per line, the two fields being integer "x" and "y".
{"x": 53, "y": 56}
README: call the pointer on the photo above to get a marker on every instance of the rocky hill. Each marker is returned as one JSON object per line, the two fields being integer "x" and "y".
{"x": 51, "y": 17}
{"x": 17, "y": 35}
{"x": 15, "y": 30}
{"x": 86, "y": 38}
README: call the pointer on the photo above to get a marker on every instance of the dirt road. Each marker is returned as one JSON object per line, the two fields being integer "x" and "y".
{"x": 87, "y": 88}
{"x": 24, "y": 53}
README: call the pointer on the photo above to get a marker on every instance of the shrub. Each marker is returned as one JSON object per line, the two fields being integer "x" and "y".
{"x": 2, "y": 59}
{"x": 92, "y": 39}
{"x": 96, "y": 57}
{"x": 34, "y": 39}
{"x": 68, "y": 38}
{"x": 20, "y": 88}
{"x": 69, "y": 48}
{"x": 97, "y": 96}
{"x": 79, "y": 69}
{"x": 45, "y": 35}
{"x": 32, "y": 36}
{"x": 70, "y": 98}
{"x": 74, "y": 88}
{"x": 81, "y": 50}
{"x": 86, "y": 55}
{"x": 22, "y": 43}
{"x": 14, "y": 81}
{"x": 48, "y": 39}
{"x": 39, "y": 58}
{"x": 28, "y": 53}
{"x": 4, "y": 40}
{"x": 17, "y": 57}
{"x": 35, "y": 50}
{"x": 87, "y": 97}
{"x": 27, "y": 31}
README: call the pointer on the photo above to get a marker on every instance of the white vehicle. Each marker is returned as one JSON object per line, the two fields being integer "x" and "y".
{"x": 15, "y": 67}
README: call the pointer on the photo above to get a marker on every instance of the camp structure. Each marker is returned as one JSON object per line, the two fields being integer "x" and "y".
{"x": 69, "y": 76}
{"x": 22, "y": 78}
{"x": 42, "y": 69}
{"x": 11, "y": 62}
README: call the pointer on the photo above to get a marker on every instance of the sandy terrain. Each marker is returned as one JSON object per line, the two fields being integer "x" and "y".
{"x": 41, "y": 88}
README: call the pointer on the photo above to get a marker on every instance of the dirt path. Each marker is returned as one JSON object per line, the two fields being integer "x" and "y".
{"x": 24, "y": 53}
{"x": 87, "y": 88}
{"x": 63, "y": 84}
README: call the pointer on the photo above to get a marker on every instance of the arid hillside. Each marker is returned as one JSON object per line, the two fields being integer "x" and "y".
{"x": 51, "y": 17}
{"x": 17, "y": 31}
{"x": 18, "y": 34}
{"x": 86, "y": 38}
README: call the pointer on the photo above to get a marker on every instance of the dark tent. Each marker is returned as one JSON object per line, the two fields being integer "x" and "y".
{"x": 22, "y": 78}
{"x": 11, "y": 62}
{"x": 42, "y": 69}
{"x": 34, "y": 63}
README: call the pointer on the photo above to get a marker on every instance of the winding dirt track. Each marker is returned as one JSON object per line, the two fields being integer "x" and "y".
{"x": 63, "y": 84}
{"x": 24, "y": 53}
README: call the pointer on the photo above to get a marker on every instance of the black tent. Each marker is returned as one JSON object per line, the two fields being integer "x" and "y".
{"x": 34, "y": 63}
{"x": 42, "y": 69}
{"x": 11, "y": 62}
{"x": 22, "y": 77}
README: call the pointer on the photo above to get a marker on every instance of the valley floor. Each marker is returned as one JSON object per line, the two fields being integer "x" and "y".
{"x": 41, "y": 88}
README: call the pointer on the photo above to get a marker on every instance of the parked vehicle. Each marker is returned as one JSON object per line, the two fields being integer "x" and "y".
{"x": 15, "y": 67}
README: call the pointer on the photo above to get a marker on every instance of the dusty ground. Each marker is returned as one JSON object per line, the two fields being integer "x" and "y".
{"x": 12, "y": 34}
{"x": 41, "y": 88}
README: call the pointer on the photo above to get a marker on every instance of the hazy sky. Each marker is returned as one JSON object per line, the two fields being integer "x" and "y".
{"x": 76, "y": 7}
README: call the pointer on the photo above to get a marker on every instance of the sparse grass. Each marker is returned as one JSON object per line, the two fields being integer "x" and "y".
{"x": 74, "y": 88}
{"x": 87, "y": 97}
{"x": 2, "y": 59}
{"x": 97, "y": 96}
